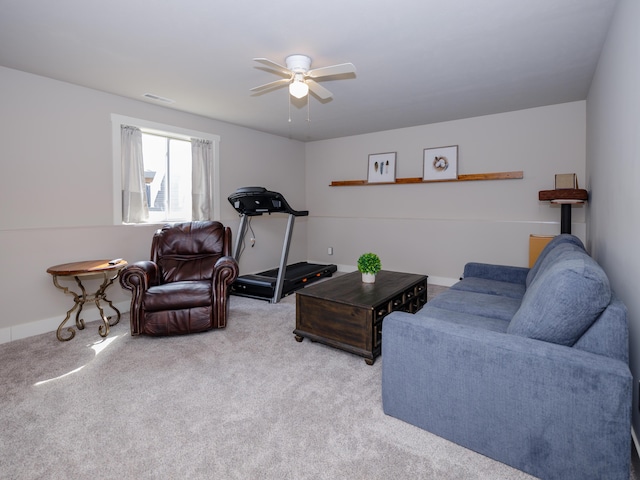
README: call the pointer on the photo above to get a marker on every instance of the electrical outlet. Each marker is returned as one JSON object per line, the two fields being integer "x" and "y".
{"x": 330, "y": 251}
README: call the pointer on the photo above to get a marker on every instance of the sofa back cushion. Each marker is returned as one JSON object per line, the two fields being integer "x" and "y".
{"x": 564, "y": 300}
{"x": 542, "y": 260}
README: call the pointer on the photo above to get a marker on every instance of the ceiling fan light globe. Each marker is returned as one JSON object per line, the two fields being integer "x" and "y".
{"x": 298, "y": 89}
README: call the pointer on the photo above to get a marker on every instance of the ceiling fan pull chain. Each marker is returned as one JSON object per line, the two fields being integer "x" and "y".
{"x": 308, "y": 109}
{"x": 289, "y": 97}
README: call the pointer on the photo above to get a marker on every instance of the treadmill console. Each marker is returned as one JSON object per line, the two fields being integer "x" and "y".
{"x": 253, "y": 201}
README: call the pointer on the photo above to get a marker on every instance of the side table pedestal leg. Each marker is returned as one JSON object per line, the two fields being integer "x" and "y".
{"x": 101, "y": 294}
{"x": 78, "y": 301}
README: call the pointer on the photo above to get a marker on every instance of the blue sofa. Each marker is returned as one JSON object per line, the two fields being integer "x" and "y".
{"x": 526, "y": 366}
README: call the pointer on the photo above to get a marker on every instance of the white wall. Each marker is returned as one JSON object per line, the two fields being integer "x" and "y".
{"x": 57, "y": 195}
{"x": 613, "y": 169}
{"x": 56, "y": 191}
{"x": 435, "y": 228}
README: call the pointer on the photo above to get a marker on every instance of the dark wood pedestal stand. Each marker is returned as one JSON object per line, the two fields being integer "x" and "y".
{"x": 566, "y": 198}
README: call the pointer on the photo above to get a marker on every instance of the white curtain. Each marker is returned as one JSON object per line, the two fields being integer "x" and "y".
{"x": 202, "y": 179}
{"x": 134, "y": 192}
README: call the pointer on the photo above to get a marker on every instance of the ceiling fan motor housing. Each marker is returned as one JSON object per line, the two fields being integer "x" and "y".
{"x": 298, "y": 63}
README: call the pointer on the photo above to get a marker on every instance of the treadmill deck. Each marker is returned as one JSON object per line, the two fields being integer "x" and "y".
{"x": 298, "y": 275}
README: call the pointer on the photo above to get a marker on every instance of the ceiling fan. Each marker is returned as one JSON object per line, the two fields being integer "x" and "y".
{"x": 300, "y": 78}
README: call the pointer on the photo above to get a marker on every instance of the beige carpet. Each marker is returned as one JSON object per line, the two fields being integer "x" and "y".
{"x": 246, "y": 402}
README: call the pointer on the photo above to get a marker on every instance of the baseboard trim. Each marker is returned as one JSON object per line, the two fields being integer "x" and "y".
{"x": 441, "y": 281}
{"x": 47, "y": 325}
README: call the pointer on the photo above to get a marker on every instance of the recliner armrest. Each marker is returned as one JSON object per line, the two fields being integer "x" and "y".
{"x": 139, "y": 276}
{"x": 225, "y": 272}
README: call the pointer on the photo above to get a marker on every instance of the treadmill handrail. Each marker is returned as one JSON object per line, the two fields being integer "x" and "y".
{"x": 254, "y": 201}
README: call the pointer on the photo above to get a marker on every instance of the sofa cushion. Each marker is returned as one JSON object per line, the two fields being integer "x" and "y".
{"x": 491, "y": 287}
{"x": 500, "y": 273}
{"x": 563, "y": 301}
{"x": 542, "y": 260}
{"x": 429, "y": 312}
{"x": 482, "y": 304}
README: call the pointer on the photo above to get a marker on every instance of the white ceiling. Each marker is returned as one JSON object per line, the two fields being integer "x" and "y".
{"x": 417, "y": 61}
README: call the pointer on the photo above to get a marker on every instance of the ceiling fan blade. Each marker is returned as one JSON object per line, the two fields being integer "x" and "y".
{"x": 332, "y": 70}
{"x": 270, "y": 85}
{"x": 273, "y": 65}
{"x": 319, "y": 90}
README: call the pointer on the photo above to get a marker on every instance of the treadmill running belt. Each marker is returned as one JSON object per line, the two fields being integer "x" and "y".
{"x": 297, "y": 275}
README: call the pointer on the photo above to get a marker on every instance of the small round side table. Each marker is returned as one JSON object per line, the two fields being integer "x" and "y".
{"x": 109, "y": 269}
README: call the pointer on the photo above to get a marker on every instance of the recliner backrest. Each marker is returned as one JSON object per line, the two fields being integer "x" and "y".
{"x": 189, "y": 251}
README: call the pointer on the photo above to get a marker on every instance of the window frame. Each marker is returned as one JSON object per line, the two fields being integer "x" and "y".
{"x": 165, "y": 130}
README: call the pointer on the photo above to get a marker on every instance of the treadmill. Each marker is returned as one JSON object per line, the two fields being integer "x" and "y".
{"x": 279, "y": 282}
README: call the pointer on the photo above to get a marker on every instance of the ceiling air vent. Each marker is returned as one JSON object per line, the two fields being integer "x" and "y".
{"x": 158, "y": 98}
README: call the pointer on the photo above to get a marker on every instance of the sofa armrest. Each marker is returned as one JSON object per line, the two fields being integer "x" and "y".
{"x": 501, "y": 273}
{"x": 550, "y": 410}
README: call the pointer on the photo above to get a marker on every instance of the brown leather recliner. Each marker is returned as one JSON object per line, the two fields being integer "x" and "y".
{"x": 185, "y": 286}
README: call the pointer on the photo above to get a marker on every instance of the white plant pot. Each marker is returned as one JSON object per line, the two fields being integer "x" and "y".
{"x": 368, "y": 278}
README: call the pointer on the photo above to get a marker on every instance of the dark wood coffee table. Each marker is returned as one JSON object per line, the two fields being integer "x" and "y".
{"x": 345, "y": 313}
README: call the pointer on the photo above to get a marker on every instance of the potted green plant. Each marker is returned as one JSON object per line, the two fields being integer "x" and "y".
{"x": 369, "y": 264}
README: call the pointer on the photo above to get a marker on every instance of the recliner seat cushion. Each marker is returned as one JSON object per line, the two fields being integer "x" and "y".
{"x": 178, "y": 296}
{"x": 563, "y": 301}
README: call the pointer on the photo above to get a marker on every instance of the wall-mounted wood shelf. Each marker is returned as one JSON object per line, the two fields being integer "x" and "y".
{"x": 563, "y": 194}
{"x": 461, "y": 178}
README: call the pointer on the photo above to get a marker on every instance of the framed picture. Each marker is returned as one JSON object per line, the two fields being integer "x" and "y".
{"x": 382, "y": 168}
{"x": 440, "y": 163}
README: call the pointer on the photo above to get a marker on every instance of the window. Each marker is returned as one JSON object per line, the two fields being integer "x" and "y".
{"x": 167, "y": 175}
{"x": 180, "y": 180}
